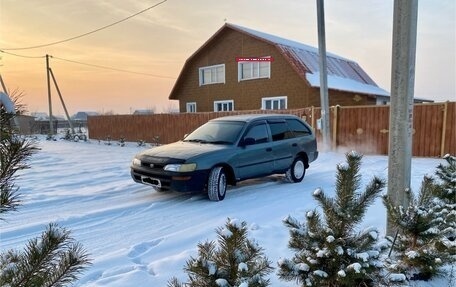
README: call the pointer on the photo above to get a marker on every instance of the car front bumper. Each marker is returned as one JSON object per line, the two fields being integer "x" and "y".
{"x": 194, "y": 181}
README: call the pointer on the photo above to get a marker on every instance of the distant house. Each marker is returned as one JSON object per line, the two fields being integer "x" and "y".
{"x": 22, "y": 123}
{"x": 144, "y": 112}
{"x": 243, "y": 69}
{"x": 41, "y": 123}
{"x": 40, "y": 116}
{"x": 82, "y": 116}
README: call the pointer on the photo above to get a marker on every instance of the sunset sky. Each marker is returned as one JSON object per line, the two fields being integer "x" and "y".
{"x": 155, "y": 44}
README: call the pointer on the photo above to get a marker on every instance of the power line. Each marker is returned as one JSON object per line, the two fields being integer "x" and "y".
{"x": 113, "y": 69}
{"x": 85, "y": 34}
{"x": 22, "y": 56}
{"x": 91, "y": 65}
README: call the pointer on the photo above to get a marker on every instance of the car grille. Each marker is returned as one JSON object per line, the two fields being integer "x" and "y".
{"x": 153, "y": 167}
{"x": 157, "y": 163}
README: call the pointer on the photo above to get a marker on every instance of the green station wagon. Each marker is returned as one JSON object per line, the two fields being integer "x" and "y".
{"x": 227, "y": 150}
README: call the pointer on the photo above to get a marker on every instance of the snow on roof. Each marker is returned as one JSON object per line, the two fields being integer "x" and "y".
{"x": 343, "y": 74}
{"x": 344, "y": 84}
{"x": 82, "y": 115}
{"x": 272, "y": 38}
{"x": 40, "y": 116}
{"x": 143, "y": 112}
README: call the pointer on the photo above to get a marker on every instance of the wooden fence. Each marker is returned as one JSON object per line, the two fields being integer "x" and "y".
{"x": 361, "y": 128}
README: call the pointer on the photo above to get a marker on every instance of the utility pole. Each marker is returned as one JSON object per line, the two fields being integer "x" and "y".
{"x": 51, "y": 124}
{"x": 62, "y": 101}
{"x": 3, "y": 85}
{"x": 324, "y": 102}
{"x": 401, "y": 109}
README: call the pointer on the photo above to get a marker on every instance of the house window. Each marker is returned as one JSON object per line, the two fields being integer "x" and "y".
{"x": 254, "y": 70}
{"x": 274, "y": 103}
{"x": 223, "y": 106}
{"x": 212, "y": 75}
{"x": 191, "y": 107}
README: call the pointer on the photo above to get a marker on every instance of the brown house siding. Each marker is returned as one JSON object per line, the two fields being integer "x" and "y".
{"x": 348, "y": 99}
{"x": 247, "y": 95}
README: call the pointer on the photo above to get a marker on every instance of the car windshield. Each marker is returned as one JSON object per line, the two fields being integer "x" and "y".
{"x": 217, "y": 132}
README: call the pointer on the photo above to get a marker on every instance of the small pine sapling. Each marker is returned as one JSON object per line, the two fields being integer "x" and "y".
{"x": 447, "y": 175}
{"x": 447, "y": 195}
{"x": 419, "y": 233}
{"x": 55, "y": 259}
{"x": 14, "y": 153}
{"x": 329, "y": 251}
{"x": 234, "y": 261}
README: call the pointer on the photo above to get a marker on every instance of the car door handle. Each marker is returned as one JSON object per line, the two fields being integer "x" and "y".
{"x": 269, "y": 149}
{"x": 295, "y": 144}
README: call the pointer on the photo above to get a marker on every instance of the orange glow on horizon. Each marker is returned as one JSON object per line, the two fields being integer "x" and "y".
{"x": 159, "y": 41}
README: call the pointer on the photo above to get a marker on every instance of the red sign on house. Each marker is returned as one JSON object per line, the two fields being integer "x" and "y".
{"x": 254, "y": 59}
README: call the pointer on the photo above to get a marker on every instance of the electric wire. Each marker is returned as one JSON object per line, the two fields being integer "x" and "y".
{"x": 90, "y": 65}
{"x": 22, "y": 56}
{"x": 85, "y": 34}
{"x": 113, "y": 69}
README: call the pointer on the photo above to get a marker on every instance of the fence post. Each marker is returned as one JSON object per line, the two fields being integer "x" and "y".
{"x": 335, "y": 126}
{"x": 444, "y": 125}
{"x": 312, "y": 114}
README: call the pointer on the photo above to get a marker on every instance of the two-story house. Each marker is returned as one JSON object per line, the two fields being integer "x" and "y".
{"x": 243, "y": 69}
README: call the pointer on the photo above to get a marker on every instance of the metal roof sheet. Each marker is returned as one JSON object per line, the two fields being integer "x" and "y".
{"x": 305, "y": 60}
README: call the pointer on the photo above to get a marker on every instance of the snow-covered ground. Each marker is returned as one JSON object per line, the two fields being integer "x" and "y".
{"x": 139, "y": 237}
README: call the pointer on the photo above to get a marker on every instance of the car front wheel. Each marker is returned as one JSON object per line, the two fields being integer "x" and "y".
{"x": 297, "y": 170}
{"x": 216, "y": 186}
{"x": 159, "y": 189}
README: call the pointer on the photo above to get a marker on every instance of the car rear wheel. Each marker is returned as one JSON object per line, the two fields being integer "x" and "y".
{"x": 216, "y": 185}
{"x": 297, "y": 170}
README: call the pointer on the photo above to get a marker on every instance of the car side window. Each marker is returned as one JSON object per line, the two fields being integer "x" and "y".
{"x": 259, "y": 133}
{"x": 280, "y": 131}
{"x": 298, "y": 128}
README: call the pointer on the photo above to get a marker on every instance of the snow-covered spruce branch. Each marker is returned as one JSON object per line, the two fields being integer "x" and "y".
{"x": 328, "y": 251}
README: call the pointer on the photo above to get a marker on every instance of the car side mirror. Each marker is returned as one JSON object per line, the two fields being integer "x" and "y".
{"x": 248, "y": 141}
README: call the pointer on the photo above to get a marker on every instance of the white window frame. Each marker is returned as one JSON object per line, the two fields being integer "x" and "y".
{"x": 254, "y": 70}
{"x": 227, "y": 103}
{"x": 213, "y": 75}
{"x": 191, "y": 107}
{"x": 274, "y": 99}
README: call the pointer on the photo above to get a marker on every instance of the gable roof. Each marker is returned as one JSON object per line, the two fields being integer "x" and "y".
{"x": 343, "y": 74}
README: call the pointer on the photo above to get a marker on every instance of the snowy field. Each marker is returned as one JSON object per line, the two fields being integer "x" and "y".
{"x": 139, "y": 237}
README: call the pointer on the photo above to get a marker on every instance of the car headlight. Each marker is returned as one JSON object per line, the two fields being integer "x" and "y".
{"x": 136, "y": 161}
{"x": 180, "y": 167}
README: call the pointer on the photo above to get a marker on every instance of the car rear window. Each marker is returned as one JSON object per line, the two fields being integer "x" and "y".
{"x": 280, "y": 131}
{"x": 298, "y": 128}
{"x": 259, "y": 133}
